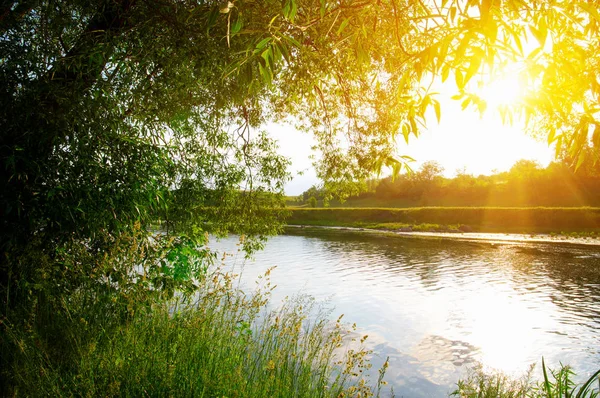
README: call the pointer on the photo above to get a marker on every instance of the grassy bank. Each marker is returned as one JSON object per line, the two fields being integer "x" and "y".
{"x": 476, "y": 219}
{"x": 556, "y": 383}
{"x": 224, "y": 343}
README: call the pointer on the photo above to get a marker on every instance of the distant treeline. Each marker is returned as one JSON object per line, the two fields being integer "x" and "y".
{"x": 525, "y": 184}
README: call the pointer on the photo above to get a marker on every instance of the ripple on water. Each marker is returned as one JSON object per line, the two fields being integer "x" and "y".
{"x": 437, "y": 307}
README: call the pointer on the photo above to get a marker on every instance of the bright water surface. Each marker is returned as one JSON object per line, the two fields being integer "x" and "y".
{"x": 437, "y": 307}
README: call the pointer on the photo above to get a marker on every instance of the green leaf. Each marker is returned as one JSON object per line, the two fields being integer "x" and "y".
{"x": 286, "y": 9}
{"x": 237, "y": 25}
{"x": 292, "y": 40}
{"x": 452, "y": 13}
{"x": 465, "y": 103}
{"x": 532, "y": 55}
{"x": 580, "y": 159}
{"x": 551, "y": 136}
{"x": 212, "y": 18}
{"x": 473, "y": 68}
{"x": 343, "y": 25}
{"x": 261, "y": 44}
{"x": 584, "y": 389}
{"x": 265, "y": 73}
{"x": 267, "y": 55}
{"x": 405, "y": 132}
{"x": 538, "y": 34}
{"x": 293, "y": 11}
{"x": 413, "y": 126}
{"x": 591, "y": 9}
{"x": 558, "y": 146}
{"x": 547, "y": 385}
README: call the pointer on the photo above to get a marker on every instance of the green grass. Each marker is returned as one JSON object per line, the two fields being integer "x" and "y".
{"x": 580, "y": 220}
{"x": 554, "y": 384}
{"x": 222, "y": 344}
{"x": 226, "y": 343}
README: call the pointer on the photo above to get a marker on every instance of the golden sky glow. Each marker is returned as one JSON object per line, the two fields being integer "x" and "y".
{"x": 464, "y": 138}
{"x": 504, "y": 91}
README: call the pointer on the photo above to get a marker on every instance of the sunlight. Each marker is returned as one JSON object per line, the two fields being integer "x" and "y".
{"x": 501, "y": 92}
{"x": 503, "y": 329}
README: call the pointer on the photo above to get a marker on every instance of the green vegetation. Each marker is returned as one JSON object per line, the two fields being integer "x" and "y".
{"x": 219, "y": 342}
{"x": 555, "y": 384}
{"x": 479, "y": 219}
{"x": 526, "y": 184}
{"x": 118, "y": 115}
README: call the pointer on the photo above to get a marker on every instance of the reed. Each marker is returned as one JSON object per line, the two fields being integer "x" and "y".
{"x": 554, "y": 384}
{"x": 220, "y": 342}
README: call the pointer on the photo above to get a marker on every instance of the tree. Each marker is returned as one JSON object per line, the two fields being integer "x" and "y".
{"x": 115, "y": 114}
{"x": 312, "y": 192}
{"x": 429, "y": 171}
{"x": 552, "y": 46}
{"x": 525, "y": 169}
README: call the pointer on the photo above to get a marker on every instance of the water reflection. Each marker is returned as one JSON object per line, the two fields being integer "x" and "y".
{"x": 437, "y": 306}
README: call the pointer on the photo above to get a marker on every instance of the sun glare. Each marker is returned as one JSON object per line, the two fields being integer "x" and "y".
{"x": 501, "y": 92}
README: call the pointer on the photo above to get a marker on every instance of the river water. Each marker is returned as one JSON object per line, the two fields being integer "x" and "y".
{"x": 436, "y": 307}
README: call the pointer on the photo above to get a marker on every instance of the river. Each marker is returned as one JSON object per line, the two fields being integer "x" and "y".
{"x": 436, "y": 307}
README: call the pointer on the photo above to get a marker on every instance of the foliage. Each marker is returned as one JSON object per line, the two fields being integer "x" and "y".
{"x": 118, "y": 115}
{"x": 551, "y": 47}
{"x": 147, "y": 110}
{"x": 115, "y": 117}
{"x": 312, "y": 201}
{"x": 481, "y": 384}
{"x": 525, "y": 184}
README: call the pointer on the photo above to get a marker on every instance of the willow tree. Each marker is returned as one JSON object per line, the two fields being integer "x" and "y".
{"x": 552, "y": 47}
{"x": 119, "y": 113}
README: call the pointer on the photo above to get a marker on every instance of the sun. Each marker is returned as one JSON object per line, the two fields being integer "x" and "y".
{"x": 504, "y": 91}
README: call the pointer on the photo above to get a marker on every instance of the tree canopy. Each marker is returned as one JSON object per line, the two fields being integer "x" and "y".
{"x": 116, "y": 114}
{"x": 120, "y": 115}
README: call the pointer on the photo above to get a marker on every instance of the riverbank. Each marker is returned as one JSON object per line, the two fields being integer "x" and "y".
{"x": 574, "y": 222}
{"x": 222, "y": 342}
{"x": 489, "y": 237}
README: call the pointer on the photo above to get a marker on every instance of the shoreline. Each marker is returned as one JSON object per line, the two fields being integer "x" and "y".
{"x": 488, "y": 237}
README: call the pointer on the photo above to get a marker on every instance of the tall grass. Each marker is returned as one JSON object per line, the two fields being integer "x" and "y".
{"x": 555, "y": 384}
{"x": 221, "y": 342}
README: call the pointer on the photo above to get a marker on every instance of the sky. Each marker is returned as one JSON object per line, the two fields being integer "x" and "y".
{"x": 462, "y": 139}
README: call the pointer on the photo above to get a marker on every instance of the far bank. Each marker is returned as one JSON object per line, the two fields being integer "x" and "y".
{"x": 580, "y": 221}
